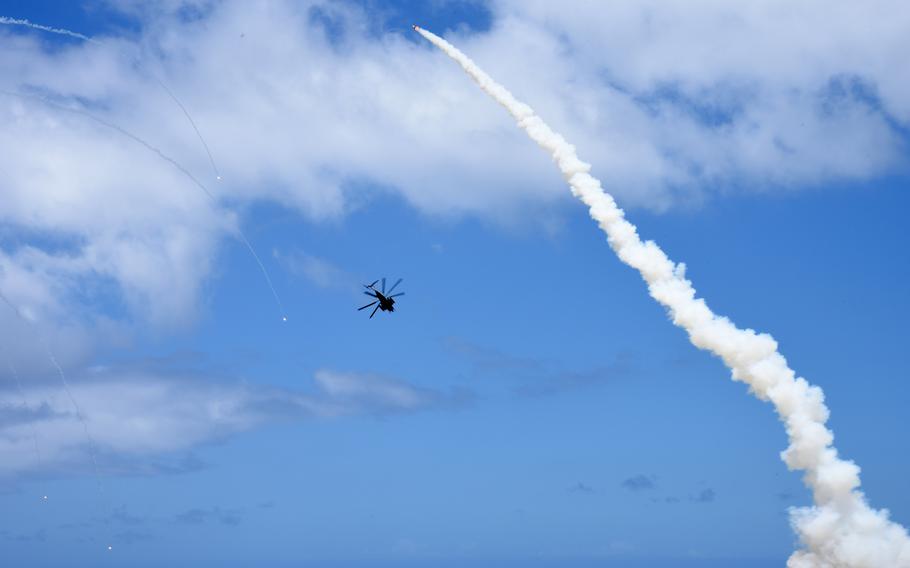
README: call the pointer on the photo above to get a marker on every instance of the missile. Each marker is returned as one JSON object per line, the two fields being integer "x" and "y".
{"x": 415, "y": 27}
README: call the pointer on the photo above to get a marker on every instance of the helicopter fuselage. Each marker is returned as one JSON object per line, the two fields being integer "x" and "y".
{"x": 385, "y": 304}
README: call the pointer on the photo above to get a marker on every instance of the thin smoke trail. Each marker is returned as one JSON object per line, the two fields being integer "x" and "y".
{"x": 192, "y": 122}
{"x": 15, "y": 374}
{"x": 241, "y": 235}
{"x": 841, "y": 530}
{"x": 60, "y": 31}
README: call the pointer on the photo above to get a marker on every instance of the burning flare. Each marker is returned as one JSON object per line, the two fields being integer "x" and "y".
{"x": 841, "y": 530}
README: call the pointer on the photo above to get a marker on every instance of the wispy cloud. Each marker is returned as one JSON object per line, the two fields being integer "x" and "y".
{"x": 533, "y": 377}
{"x": 564, "y": 381}
{"x": 640, "y": 482}
{"x": 706, "y": 495}
{"x": 127, "y": 527}
{"x": 489, "y": 359}
{"x": 36, "y": 536}
{"x": 122, "y": 516}
{"x": 229, "y": 517}
{"x": 581, "y": 488}
{"x": 356, "y": 393}
{"x": 319, "y": 271}
{"x": 132, "y": 536}
{"x": 144, "y": 423}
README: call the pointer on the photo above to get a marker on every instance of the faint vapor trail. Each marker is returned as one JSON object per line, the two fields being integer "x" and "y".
{"x": 192, "y": 122}
{"x": 841, "y": 531}
{"x": 241, "y": 235}
{"x": 60, "y": 31}
{"x": 15, "y": 374}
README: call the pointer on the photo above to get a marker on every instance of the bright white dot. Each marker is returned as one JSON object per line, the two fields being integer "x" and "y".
{"x": 110, "y": 547}
{"x": 45, "y": 497}
{"x": 284, "y": 318}
{"x": 218, "y": 177}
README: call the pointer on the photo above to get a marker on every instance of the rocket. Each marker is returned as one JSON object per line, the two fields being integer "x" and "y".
{"x": 415, "y": 27}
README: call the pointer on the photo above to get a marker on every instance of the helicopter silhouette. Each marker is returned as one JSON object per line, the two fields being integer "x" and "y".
{"x": 384, "y": 301}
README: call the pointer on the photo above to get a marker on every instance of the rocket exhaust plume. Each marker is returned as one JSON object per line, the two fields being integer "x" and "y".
{"x": 841, "y": 530}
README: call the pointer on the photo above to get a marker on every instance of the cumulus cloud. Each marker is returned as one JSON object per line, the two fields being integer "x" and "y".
{"x": 765, "y": 94}
{"x": 140, "y": 420}
{"x": 536, "y": 377}
{"x": 305, "y": 105}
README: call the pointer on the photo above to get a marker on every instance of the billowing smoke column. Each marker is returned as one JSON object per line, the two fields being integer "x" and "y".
{"x": 841, "y": 530}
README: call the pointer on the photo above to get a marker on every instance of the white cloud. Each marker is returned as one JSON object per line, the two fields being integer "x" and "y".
{"x": 135, "y": 417}
{"x": 355, "y": 392}
{"x": 669, "y": 100}
{"x": 320, "y": 271}
{"x": 785, "y": 94}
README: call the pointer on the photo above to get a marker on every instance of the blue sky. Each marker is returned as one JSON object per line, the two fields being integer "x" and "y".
{"x": 527, "y": 404}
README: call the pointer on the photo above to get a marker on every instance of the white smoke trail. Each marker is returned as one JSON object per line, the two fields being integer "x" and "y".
{"x": 841, "y": 530}
{"x": 59, "y": 31}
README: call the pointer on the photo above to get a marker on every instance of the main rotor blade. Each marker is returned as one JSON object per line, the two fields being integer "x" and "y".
{"x": 370, "y": 294}
{"x": 368, "y": 305}
{"x": 374, "y": 312}
{"x": 396, "y": 295}
{"x": 383, "y": 284}
{"x": 394, "y": 285}
{"x": 370, "y": 285}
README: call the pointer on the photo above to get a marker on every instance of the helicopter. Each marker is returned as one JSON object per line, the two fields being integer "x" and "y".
{"x": 384, "y": 301}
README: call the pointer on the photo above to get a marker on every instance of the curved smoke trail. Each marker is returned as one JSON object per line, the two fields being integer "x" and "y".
{"x": 841, "y": 530}
{"x": 192, "y": 122}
